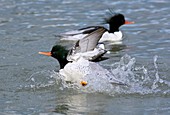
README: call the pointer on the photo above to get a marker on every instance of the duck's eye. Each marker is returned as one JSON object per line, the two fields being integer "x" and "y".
{"x": 122, "y": 21}
{"x": 54, "y": 53}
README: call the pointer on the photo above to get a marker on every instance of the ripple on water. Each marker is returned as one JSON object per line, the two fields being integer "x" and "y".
{"x": 138, "y": 80}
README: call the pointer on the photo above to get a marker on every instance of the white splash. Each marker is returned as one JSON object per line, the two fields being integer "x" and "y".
{"x": 138, "y": 80}
{"x": 141, "y": 80}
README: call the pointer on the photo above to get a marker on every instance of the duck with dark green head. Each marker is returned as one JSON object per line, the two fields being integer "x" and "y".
{"x": 86, "y": 48}
{"x": 74, "y": 64}
{"x": 77, "y": 71}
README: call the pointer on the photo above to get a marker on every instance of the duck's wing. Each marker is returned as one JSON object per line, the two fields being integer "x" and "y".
{"x": 89, "y": 42}
{"x": 90, "y": 29}
{"x": 78, "y": 34}
{"x": 87, "y": 46}
{"x": 86, "y": 30}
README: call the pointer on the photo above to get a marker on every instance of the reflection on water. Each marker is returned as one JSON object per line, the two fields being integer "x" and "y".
{"x": 61, "y": 109}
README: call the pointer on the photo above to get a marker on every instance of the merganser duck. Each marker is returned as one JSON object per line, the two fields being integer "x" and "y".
{"x": 88, "y": 48}
{"x": 112, "y": 34}
{"x": 75, "y": 67}
{"x": 77, "y": 71}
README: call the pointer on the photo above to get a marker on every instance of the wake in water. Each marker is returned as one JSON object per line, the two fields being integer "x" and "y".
{"x": 138, "y": 80}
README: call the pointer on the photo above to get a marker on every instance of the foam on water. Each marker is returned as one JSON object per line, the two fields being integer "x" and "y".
{"x": 138, "y": 80}
{"x": 38, "y": 80}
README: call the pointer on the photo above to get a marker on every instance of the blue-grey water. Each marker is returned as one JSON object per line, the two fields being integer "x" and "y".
{"x": 29, "y": 84}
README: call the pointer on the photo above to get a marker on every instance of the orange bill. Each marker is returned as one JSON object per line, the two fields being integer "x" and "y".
{"x": 128, "y": 22}
{"x": 45, "y": 53}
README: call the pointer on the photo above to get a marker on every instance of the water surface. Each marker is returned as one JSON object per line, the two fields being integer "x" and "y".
{"x": 28, "y": 82}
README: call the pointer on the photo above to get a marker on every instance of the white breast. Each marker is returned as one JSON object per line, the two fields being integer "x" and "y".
{"x": 76, "y": 70}
{"x": 82, "y": 70}
{"x": 116, "y": 36}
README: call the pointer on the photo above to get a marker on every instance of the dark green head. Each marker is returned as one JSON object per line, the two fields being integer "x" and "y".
{"x": 58, "y": 52}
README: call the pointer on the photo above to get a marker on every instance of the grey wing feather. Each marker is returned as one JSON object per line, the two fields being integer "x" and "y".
{"x": 89, "y": 42}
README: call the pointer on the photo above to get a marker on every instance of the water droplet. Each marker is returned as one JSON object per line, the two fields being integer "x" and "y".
{"x": 32, "y": 79}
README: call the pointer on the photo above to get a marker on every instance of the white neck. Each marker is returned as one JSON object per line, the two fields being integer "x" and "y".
{"x": 116, "y": 36}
